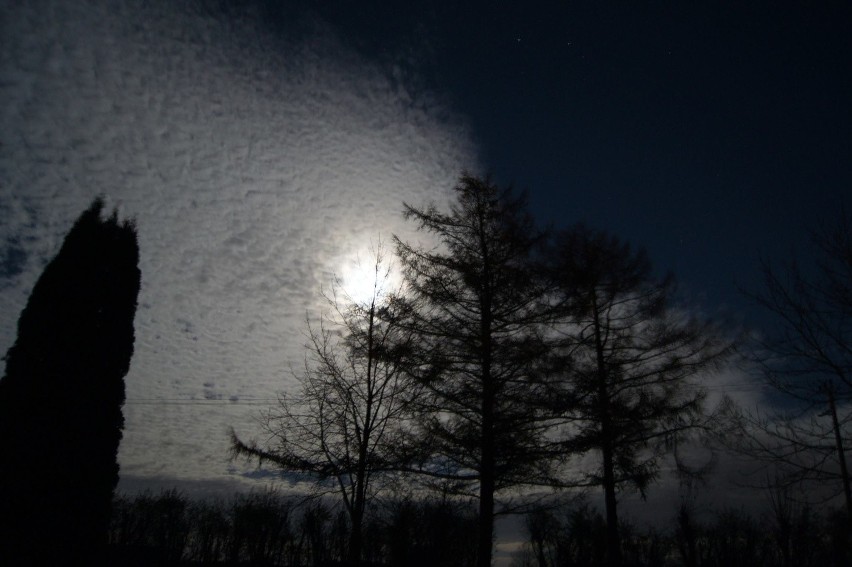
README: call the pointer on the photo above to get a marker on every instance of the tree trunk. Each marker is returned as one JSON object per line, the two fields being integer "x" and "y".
{"x": 841, "y": 455}
{"x": 486, "y": 521}
{"x": 486, "y": 473}
{"x": 486, "y": 501}
{"x": 360, "y": 501}
{"x": 487, "y": 467}
{"x": 355, "y": 541}
{"x": 613, "y": 539}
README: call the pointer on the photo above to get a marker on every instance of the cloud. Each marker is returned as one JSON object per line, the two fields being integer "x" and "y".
{"x": 255, "y": 160}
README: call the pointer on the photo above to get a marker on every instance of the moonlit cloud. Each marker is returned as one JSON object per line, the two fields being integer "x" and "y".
{"x": 256, "y": 164}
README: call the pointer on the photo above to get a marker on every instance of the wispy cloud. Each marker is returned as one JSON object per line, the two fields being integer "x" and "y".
{"x": 254, "y": 162}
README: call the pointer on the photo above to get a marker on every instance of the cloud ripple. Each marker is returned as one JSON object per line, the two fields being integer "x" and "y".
{"x": 254, "y": 160}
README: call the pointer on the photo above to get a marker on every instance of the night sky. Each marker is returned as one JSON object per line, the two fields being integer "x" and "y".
{"x": 711, "y": 133}
{"x": 263, "y": 145}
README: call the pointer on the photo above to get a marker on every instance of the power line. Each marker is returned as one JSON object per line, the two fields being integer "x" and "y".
{"x": 252, "y": 401}
{"x": 191, "y": 401}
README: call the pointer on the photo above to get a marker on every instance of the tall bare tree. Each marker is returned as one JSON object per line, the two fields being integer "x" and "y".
{"x": 807, "y": 359}
{"x": 344, "y": 428}
{"x": 628, "y": 390}
{"x": 473, "y": 306}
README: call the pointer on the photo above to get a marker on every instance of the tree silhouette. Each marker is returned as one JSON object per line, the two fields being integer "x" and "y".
{"x": 808, "y": 359}
{"x": 344, "y": 429}
{"x": 628, "y": 360}
{"x": 474, "y": 306}
{"x": 61, "y": 396}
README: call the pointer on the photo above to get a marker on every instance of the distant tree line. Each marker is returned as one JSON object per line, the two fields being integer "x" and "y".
{"x": 271, "y": 529}
{"x": 268, "y": 528}
{"x": 787, "y": 535}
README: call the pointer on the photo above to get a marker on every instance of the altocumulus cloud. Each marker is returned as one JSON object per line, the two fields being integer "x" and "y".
{"x": 256, "y": 162}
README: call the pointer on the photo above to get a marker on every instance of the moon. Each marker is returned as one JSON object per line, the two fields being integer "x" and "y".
{"x": 368, "y": 276}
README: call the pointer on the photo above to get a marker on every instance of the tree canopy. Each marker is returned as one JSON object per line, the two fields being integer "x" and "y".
{"x": 474, "y": 306}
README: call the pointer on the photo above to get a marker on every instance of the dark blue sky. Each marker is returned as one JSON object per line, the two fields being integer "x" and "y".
{"x": 709, "y": 134}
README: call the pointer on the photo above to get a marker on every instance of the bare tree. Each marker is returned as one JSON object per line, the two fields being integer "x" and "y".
{"x": 344, "y": 428}
{"x": 807, "y": 359}
{"x": 629, "y": 360}
{"x": 474, "y": 306}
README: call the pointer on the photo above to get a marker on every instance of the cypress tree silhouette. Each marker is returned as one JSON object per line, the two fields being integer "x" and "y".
{"x": 61, "y": 396}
